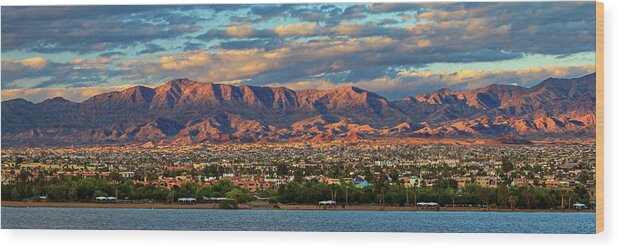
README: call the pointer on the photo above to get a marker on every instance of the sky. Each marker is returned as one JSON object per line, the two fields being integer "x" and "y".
{"x": 393, "y": 49}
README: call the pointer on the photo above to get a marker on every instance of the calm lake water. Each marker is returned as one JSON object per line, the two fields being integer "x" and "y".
{"x": 294, "y": 220}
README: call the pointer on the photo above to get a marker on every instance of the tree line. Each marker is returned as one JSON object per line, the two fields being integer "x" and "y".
{"x": 444, "y": 192}
{"x": 72, "y": 188}
{"x": 380, "y": 192}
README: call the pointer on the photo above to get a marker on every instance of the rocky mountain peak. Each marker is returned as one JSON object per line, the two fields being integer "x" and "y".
{"x": 186, "y": 111}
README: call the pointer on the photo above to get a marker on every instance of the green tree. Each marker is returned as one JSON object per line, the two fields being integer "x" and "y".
{"x": 443, "y": 184}
{"x": 452, "y": 194}
{"x": 506, "y": 165}
{"x": 502, "y": 195}
{"x": 86, "y": 188}
{"x": 204, "y": 191}
{"x": 97, "y": 193}
{"x": 239, "y": 195}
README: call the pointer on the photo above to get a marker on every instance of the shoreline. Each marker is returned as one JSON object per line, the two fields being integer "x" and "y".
{"x": 267, "y": 206}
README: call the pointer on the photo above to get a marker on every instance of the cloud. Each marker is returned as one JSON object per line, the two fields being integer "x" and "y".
{"x": 189, "y": 60}
{"x": 301, "y": 30}
{"x": 280, "y": 44}
{"x": 296, "y": 29}
{"x": 41, "y": 72}
{"x": 270, "y": 11}
{"x": 391, "y": 7}
{"x": 296, "y": 59}
{"x": 527, "y": 27}
{"x": 98, "y": 63}
{"x": 190, "y": 46}
{"x": 408, "y": 83}
{"x": 111, "y": 54}
{"x": 84, "y": 29}
{"x": 387, "y": 21}
{"x": 531, "y": 27}
{"x": 309, "y": 84}
{"x": 397, "y": 86}
{"x": 341, "y": 59}
{"x": 28, "y": 64}
{"x": 354, "y": 12}
{"x": 260, "y": 43}
{"x": 35, "y": 62}
{"x": 151, "y": 49}
{"x": 310, "y": 15}
{"x": 240, "y": 30}
{"x": 35, "y": 67}
{"x": 543, "y": 28}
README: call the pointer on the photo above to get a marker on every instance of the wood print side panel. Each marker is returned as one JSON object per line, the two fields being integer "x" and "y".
{"x": 599, "y": 129}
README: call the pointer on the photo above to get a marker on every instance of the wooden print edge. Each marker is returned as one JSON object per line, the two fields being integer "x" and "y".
{"x": 599, "y": 106}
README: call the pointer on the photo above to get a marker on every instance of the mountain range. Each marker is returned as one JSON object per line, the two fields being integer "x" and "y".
{"x": 184, "y": 111}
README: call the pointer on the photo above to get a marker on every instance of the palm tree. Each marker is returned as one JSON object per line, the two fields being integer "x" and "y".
{"x": 333, "y": 188}
{"x": 415, "y": 196}
{"x": 407, "y": 201}
{"x": 452, "y": 193}
{"x": 528, "y": 196}
{"x": 512, "y": 201}
{"x": 484, "y": 195}
{"x": 381, "y": 184}
{"x": 562, "y": 191}
{"x": 569, "y": 198}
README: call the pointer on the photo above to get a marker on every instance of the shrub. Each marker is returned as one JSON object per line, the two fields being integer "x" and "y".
{"x": 228, "y": 204}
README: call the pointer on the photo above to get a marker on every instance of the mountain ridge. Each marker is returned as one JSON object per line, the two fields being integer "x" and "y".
{"x": 185, "y": 111}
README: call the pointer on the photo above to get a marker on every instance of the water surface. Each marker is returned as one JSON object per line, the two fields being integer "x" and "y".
{"x": 296, "y": 220}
